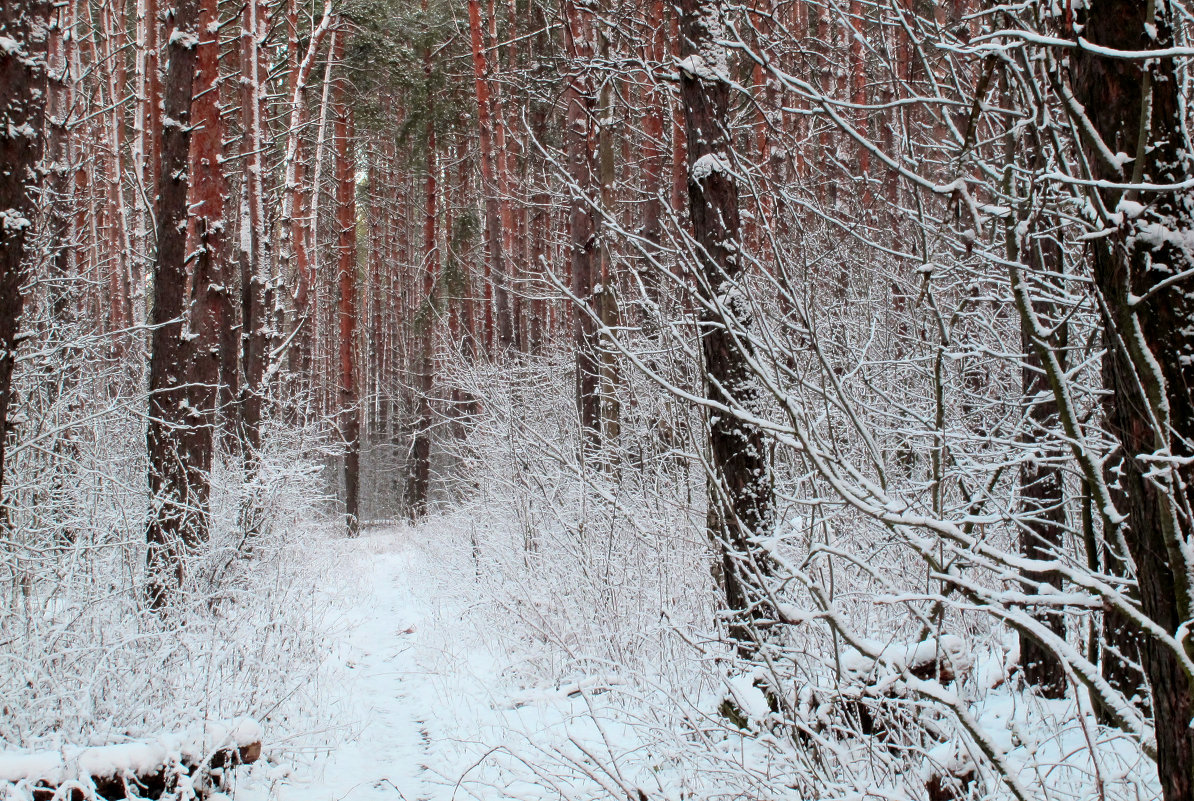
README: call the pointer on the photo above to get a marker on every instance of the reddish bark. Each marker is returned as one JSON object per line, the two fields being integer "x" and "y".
{"x": 679, "y": 145}
{"x": 653, "y": 153}
{"x": 209, "y": 314}
{"x": 112, "y": 67}
{"x": 858, "y": 97}
{"x": 493, "y": 174}
{"x": 175, "y": 438}
{"x": 346, "y": 272}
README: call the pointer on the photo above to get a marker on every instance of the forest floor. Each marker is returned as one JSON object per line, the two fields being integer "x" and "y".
{"x": 424, "y": 704}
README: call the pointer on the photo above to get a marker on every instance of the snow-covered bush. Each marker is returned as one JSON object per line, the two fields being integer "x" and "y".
{"x": 593, "y": 563}
{"x": 82, "y": 659}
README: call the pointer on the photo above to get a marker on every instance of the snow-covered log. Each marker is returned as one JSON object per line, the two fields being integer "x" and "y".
{"x": 187, "y": 764}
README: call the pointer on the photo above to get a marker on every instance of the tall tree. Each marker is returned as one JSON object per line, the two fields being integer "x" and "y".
{"x": 210, "y": 316}
{"x": 419, "y": 480}
{"x": 178, "y": 487}
{"x": 1134, "y": 105}
{"x": 740, "y": 494}
{"x": 580, "y": 139}
{"x": 24, "y": 38}
{"x": 346, "y": 274}
{"x": 493, "y": 221}
{"x": 605, "y": 293}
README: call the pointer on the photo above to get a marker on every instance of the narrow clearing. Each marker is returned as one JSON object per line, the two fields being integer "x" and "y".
{"x": 425, "y": 706}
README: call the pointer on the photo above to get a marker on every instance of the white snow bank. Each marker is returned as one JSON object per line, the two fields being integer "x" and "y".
{"x": 139, "y": 758}
{"x": 950, "y": 650}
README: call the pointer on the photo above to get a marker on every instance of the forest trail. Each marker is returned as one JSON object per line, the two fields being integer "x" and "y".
{"x": 383, "y": 690}
{"x": 423, "y": 696}
{"x": 389, "y": 684}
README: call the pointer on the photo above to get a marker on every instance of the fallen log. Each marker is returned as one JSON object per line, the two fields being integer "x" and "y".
{"x": 193, "y": 763}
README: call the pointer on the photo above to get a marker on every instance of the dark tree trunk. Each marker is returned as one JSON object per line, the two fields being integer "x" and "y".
{"x": 1119, "y": 648}
{"x": 178, "y": 486}
{"x": 740, "y": 493}
{"x": 1142, "y": 273}
{"x": 580, "y": 143}
{"x": 253, "y": 346}
{"x": 22, "y": 107}
{"x": 419, "y": 480}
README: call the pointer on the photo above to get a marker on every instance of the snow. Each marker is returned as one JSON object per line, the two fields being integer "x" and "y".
{"x": 1130, "y": 208}
{"x": 13, "y": 220}
{"x": 186, "y": 39}
{"x": 29, "y": 766}
{"x": 140, "y": 758}
{"x": 748, "y": 697}
{"x": 427, "y": 701}
{"x": 708, "y": 164}
{"x": 117, "y": 760}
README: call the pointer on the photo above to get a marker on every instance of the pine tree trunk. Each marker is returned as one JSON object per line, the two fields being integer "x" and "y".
{"x": 254, "y": 327}
{"x": 740, "y": 494}
{"x": 494, "y": 284}
{"x": 209, "y": 315}
{"x": 22, "y": 106}
{"x": 504, "y": 268}
{"x": 580, "y": 144}
{"x": 292, "y": 230}
{"x": 420, "y": 474}
{"x": 178, "y": 491}
{"x": 1142, "y": 273}
{"x": 147, "y": 128}
{"x": 346, "y": 272}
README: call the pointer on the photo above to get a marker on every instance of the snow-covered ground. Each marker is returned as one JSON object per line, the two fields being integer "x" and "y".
{"x": 424, "y": 705}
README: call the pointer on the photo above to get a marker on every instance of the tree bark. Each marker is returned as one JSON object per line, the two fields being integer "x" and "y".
{"x": 419, "y": 481}
{"x": 653, "y": 155}
{"x": 605, "y": 296}
{"x": 292, "y": 224}
{"x": 506, "y": 303}
{"x": 1142, "y": 274}
{"x": 580, "y": 141}
{"x": 495, "y": 292}
{"x": 210, "y": 314}
{"x": 148, "y": 122}
{"x": 346, "y": 272}
{"x": 22, "y": 108}
{"x": 178, "y": 486}
{"x": 740, "y": 494}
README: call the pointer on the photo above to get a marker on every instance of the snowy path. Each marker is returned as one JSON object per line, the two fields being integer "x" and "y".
{"x": 390, "y": 685}
{"x": 430, "y": 698}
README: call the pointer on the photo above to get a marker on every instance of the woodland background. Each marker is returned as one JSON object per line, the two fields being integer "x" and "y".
{"x": 839, "y": 352}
